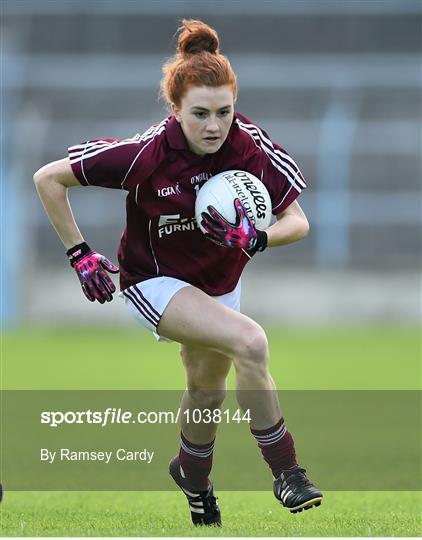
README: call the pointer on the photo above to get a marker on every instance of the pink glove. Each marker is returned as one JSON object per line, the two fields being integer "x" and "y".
{"x": 90, "y": 268}
{"x": 242, "y": 234}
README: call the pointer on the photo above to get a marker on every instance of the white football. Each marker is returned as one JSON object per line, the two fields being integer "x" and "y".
{"x": 221, "y": 190}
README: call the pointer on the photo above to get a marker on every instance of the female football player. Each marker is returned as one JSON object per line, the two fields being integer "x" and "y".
{"x": 180, "y": 285}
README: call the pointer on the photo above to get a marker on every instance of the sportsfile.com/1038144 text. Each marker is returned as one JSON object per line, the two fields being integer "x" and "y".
{"x": 113, "y": 415}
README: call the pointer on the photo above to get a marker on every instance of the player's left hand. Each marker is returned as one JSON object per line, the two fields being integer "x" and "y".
{"x": 242, "y": 234}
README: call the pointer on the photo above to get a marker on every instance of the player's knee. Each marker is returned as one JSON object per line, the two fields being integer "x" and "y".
{"x": 206, "y": 398}
{"x": 252, "y": 346}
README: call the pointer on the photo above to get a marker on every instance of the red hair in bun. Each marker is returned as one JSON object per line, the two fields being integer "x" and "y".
{"x": 197, "y": 62}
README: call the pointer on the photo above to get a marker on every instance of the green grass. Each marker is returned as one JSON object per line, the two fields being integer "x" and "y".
{"x": 104, "y": 358}
{"x": 244, "y": 514}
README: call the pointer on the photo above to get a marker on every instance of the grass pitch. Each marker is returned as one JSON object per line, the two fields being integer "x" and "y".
{"x": 371, "y": 358}
{"x": 243, "y": 514}
{"x": 374, "y": 358}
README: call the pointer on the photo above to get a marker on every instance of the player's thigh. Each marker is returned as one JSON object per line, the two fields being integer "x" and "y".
{"x": 205, "y": 368}
{"x": 194, "y": 318}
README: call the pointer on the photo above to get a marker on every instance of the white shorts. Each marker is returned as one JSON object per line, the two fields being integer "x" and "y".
{"x": 148, "y": 299}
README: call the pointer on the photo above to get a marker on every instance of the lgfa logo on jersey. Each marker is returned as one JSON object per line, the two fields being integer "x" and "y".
{"x": 169, "y": 190}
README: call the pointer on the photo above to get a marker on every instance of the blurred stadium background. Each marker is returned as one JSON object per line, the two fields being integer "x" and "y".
{"x": 338, "y": 84}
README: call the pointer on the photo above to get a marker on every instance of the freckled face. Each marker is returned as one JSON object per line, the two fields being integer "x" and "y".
{"x": 205, "y": 115}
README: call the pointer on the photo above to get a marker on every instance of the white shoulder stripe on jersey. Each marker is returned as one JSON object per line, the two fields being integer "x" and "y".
{"x": 276, "y": 157}
{"x": 282, "y": 155}
{"x": 96, "y": 147}
{"x": 134, "y": 138}
{"x": 269, "y": 142}
{"x": 117, "y": 144}
{"x": 91, "y": 152}
{"x": 283, "y": 169}
{"x": 98, "y": 142}
{"x": 271, "y": 151}
{"x": 78, "y": 149}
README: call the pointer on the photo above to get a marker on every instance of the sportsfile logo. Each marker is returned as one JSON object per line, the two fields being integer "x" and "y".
{"x": 169, "y": 190}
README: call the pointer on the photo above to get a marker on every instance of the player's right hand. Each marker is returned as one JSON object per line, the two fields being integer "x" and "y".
{"x": 91, "y": 269}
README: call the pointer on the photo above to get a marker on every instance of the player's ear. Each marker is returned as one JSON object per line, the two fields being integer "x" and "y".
{"x": 176, "y": 112}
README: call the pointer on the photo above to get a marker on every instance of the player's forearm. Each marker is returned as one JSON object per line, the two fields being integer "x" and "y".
{"x": 54, "y": 198}
{"x": 288, "y": 229}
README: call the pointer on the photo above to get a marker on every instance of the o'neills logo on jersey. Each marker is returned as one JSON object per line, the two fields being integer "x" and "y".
{"x": 169, "y": 190}
{"x": 199, "y": 178}
{"x": 174, "y": 223}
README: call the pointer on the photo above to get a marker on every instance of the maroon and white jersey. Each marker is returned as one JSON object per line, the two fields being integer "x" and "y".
{"x": 162, "y": 177}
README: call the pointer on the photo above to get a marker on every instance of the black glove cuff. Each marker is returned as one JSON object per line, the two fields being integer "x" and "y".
{"x": 76, "y": 253}
{"x": 261, "y": 242}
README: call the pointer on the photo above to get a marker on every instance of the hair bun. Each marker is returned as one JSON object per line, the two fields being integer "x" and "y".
{"x": 196, "y": 37}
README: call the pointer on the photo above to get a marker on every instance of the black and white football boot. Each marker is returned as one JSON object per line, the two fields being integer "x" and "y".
{"x": 202, "y": 504}
{"x": 295, "y": 491}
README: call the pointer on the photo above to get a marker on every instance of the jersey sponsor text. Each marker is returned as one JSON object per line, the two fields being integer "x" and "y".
{"x": 169, "y": 224}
